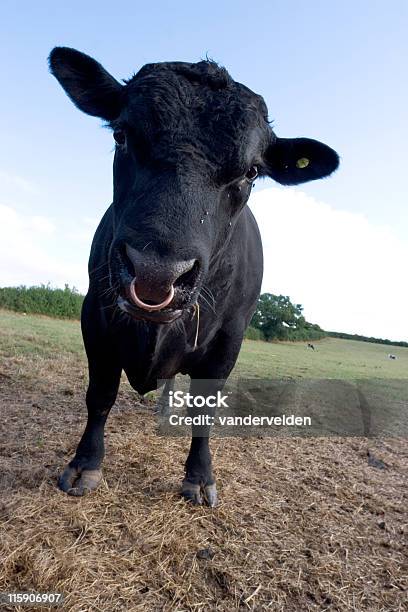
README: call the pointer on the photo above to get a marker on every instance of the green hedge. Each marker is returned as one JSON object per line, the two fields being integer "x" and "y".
{"x": 64, "y": 303}
{"x": 254, "y": 334}
{"x": 361, "y": 338}
{"x": 305, "y": 334}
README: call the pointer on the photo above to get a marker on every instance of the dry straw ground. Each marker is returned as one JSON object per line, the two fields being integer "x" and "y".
{"x": 301, "y": 525}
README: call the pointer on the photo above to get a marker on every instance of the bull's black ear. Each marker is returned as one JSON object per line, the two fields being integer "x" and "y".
{"x": 291, "y": 161}
{"x": 91, "y": 88}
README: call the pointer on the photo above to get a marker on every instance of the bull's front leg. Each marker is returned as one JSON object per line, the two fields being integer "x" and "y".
{"x": 83, "y": 474}
{"x": 208, "y": 378}
{"x": 199, "y": 483}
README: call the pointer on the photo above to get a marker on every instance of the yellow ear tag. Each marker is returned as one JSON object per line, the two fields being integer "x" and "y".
{"x": 303, "y": 162}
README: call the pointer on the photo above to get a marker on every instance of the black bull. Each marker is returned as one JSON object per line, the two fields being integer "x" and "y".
{"x": 190, "y": 141}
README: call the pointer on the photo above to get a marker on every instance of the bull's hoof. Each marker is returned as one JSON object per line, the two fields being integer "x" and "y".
{"x": 191, "y": 493}
{"x": 210, "y": 495}
{"x": 78, "y": 482}
{"x": 196, "y": 495}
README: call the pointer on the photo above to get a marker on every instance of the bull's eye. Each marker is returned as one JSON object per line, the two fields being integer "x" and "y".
{"x": 252, "y": 173}
{"x": 119, "y": 137}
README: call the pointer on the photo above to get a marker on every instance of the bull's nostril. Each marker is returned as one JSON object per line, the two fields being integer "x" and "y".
{"x": 189, "y": 276}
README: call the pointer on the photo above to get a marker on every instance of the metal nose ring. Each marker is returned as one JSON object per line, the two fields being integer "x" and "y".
{"x": 144, "y": 305}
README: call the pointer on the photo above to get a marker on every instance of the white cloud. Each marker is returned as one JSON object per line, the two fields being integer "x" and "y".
{"x": 346, "y": 271}
{"x": 42, "y": 225}
{"x": 13, "y": 181}
{"x": 83, "y": 233}
{"x": 31, "y": 252}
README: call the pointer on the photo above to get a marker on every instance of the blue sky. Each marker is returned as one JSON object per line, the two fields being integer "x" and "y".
{"x": 334, "y": 71}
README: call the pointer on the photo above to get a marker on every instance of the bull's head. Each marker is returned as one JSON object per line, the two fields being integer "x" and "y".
{"x": 190, "y": 141}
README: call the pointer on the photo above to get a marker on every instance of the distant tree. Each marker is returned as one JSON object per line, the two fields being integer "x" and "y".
{"x": 276, "y": 315}
{"x": 278, "y": 319}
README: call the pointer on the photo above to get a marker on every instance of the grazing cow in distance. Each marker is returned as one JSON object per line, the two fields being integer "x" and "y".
{"x": 310, "y": 346}
{"x": 391, "y": 356}
{"x": 190, "y": 141}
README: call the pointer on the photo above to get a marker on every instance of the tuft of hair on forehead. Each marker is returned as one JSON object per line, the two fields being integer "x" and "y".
{"x": 207, "y": 73}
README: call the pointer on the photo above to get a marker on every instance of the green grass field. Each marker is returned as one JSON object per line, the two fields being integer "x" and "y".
{"x": 34, "y": 335}
{"x": 303, "y": 523}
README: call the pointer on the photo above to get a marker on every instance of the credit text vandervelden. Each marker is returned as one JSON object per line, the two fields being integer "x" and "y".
{"x": 206, "y": 420}
{"x": 178, "y": 399}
